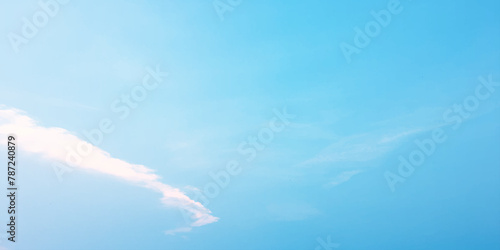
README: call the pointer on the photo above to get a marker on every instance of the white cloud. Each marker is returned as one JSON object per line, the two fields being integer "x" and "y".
{"x": 342, "y": 177}
{"x": 178, "y": 230}
{"x": 349, "y": 151}
{"x": 52, "y": 143}
{"x": 359, "y": 148}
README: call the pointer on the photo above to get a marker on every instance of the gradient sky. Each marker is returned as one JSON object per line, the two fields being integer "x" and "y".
{"x": 322, "y": 176}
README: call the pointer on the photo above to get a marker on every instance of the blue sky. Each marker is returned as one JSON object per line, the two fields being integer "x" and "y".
{"x": 317, "y": 174}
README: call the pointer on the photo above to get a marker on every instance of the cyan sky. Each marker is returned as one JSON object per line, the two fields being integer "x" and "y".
{"x": 322, "y": 176}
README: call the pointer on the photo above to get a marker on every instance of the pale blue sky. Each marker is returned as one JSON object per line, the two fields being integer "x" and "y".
{"x": 323, "y": 175}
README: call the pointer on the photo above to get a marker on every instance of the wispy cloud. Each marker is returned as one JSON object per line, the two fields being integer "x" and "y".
{"x": 342, "y": 177}
{"x": 291, "y": 211}
{"x": 352, "y": 153}
{"x": 358, "y": 148}
{"x": 178, "y": 230}
{"x": 51, "y": 143}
